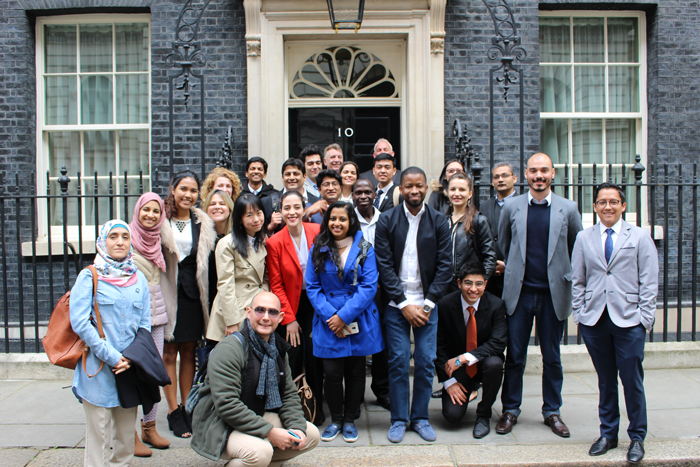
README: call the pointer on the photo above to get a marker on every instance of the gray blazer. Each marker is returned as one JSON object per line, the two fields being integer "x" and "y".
{"x": 564, "y": 224}
{"x": 628, "y": 285}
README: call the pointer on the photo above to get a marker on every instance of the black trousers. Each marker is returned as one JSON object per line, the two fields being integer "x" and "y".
{"x": 301, "y": 357}
{"x": 495, "y": 285}
{"x": 352, "y": 371}
{"x": 380, "y": 360}
{"x": 490, "y": 372}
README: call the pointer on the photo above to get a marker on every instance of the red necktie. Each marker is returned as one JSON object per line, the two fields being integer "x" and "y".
{"x": 471, "y": 339}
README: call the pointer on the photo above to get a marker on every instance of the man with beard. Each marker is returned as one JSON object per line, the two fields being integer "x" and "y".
{"x": 414, "y": 258}
{"x": 536, "y": 234}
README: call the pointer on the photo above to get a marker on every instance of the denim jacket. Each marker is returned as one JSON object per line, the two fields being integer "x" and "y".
{"x": 123, "y": 310}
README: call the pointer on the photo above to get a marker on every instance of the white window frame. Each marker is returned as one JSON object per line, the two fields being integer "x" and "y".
{"x": 42, "y": 130}
{"x": 641, "y": 116}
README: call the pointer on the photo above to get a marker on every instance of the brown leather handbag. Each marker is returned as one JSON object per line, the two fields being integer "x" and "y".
{"x": 306, "y": 395}
{"x": 62, "y": 345}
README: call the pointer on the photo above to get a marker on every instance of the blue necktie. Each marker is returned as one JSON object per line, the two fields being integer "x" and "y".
{"x": 608, "y": 245}
{"x": 376, "y": 200}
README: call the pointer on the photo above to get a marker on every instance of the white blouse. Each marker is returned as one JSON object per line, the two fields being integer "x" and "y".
{"x": 183, "y": 238}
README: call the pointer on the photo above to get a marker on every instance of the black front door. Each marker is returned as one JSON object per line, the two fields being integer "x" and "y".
{"x": 355, "y": 129}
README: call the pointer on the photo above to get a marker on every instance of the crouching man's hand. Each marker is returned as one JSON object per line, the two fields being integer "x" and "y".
{"x": 281, "y": 439}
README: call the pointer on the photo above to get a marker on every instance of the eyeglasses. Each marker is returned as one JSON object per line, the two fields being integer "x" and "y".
{"x": 261, "y": 310}
{"x": 501, "y": 176}
{"x": 613, "y": 203}
{"x": 327, "y": 184}
{"x": 470, "y": 284}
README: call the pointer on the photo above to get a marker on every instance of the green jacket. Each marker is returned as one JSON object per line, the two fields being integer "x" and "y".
{"x": 220, "y": 409}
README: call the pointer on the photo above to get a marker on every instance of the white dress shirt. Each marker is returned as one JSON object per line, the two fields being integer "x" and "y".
{"x": 616, "y": 232}
{"x": 470, "y": 359}
{"x": 547, "y": 199}
{"x": 409, "y": 273}
{"x": 385, "y": 190}
{"x": 368, "y": 228}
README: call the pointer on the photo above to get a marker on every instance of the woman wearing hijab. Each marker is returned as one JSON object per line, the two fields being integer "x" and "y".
{"x": 156, "y": 255}
{"x": 124, "y": 303}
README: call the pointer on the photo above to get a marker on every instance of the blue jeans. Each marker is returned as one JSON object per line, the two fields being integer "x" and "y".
{"x": 399, "y": 345}
{"x": 550, "y": 331}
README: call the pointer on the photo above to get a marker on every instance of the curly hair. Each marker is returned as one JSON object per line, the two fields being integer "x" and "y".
{"x": 208, "y": 185}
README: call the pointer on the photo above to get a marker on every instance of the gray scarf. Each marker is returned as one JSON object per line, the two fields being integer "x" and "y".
{"x": 268, "y": 384}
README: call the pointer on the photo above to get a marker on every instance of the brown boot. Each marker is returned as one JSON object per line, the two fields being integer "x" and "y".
{"x": 150, "y": 435}
{"x": 140, "y": 449}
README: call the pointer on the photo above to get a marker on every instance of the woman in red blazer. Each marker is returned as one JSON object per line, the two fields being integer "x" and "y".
{"x": 287, "y": 255}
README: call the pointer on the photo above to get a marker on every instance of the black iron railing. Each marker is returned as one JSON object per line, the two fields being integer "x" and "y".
{"x": 667, "y": 205}
{"x": 42, "y": 250}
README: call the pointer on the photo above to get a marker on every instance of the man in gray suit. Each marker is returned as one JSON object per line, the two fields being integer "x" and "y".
{"x": 503, "y": 178}
{"x": 615, "y": 284}
{"x": 536, "y": 234}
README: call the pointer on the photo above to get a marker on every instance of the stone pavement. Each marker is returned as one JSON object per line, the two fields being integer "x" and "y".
{"x": 37, "y": 417}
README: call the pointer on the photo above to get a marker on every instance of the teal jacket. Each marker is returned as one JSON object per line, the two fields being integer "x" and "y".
{"x": 220, "y": 409}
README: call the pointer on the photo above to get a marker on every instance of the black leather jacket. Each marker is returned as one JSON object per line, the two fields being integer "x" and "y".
{"x": 472, "y": 247}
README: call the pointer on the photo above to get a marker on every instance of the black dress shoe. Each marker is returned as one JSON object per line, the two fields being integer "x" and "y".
{"x": 635, "y": 453}
{"x": 482, "y": 427}
{"x": 601, "y": 446}
{"x": 437, "y": 394}
{"x": 384, "y": 402}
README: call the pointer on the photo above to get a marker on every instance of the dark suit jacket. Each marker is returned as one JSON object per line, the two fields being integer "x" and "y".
{"x": 491, "y": 330}
{"x": 492, "y": 211}
{"x": 139, "y": 385}
{"x": 434, "y": 253}
{"x": 388, "y": 201}
{"x": 264, "y": 192}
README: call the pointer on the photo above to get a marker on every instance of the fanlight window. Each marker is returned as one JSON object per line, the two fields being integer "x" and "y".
{"x": 343, "y": 72}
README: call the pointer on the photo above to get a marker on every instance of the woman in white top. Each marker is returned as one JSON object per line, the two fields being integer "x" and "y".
{"x": 195, "y": 238}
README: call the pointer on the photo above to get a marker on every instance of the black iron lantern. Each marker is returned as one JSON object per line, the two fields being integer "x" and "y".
{"x": 346, "y": 14}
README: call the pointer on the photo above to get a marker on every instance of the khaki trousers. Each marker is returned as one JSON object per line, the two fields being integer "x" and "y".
{"x": 98, "y": 435}
{"x": 252, "y": 451}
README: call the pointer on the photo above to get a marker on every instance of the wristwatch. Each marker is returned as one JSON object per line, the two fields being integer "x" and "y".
{"x": 427, "y": 309}
{"x": 458, "y": 362}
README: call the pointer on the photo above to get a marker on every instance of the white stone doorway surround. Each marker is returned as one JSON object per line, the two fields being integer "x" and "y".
{"x": 270, "y": 24}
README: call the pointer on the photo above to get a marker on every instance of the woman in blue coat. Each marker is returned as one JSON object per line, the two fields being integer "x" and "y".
{"x": 341, "y": 282}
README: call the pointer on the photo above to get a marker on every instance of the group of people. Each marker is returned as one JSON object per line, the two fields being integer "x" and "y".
{"x": 341, "y": 265}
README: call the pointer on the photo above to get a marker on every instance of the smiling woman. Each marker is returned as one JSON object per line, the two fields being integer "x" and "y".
{"x": 195, "y": 237}
{"x": 240, "y": 266}
{"x": 125, "y": 307}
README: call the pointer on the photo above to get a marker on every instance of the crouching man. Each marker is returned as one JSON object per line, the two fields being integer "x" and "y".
{"x": 471, "y": 337}
{"x": 249, "y": 410}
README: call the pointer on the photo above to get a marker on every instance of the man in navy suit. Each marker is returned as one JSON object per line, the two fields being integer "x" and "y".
{"x": 414, "y": 257}
{"x": 615, "y": 283}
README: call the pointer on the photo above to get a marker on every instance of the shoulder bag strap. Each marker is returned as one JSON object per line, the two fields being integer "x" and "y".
{"x": 100, "y": 330}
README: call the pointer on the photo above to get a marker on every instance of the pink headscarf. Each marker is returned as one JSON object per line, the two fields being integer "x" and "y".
{"x": 147, "y": 240}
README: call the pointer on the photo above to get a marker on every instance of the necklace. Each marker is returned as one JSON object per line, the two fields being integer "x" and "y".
{"x": 181, "y": 224}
